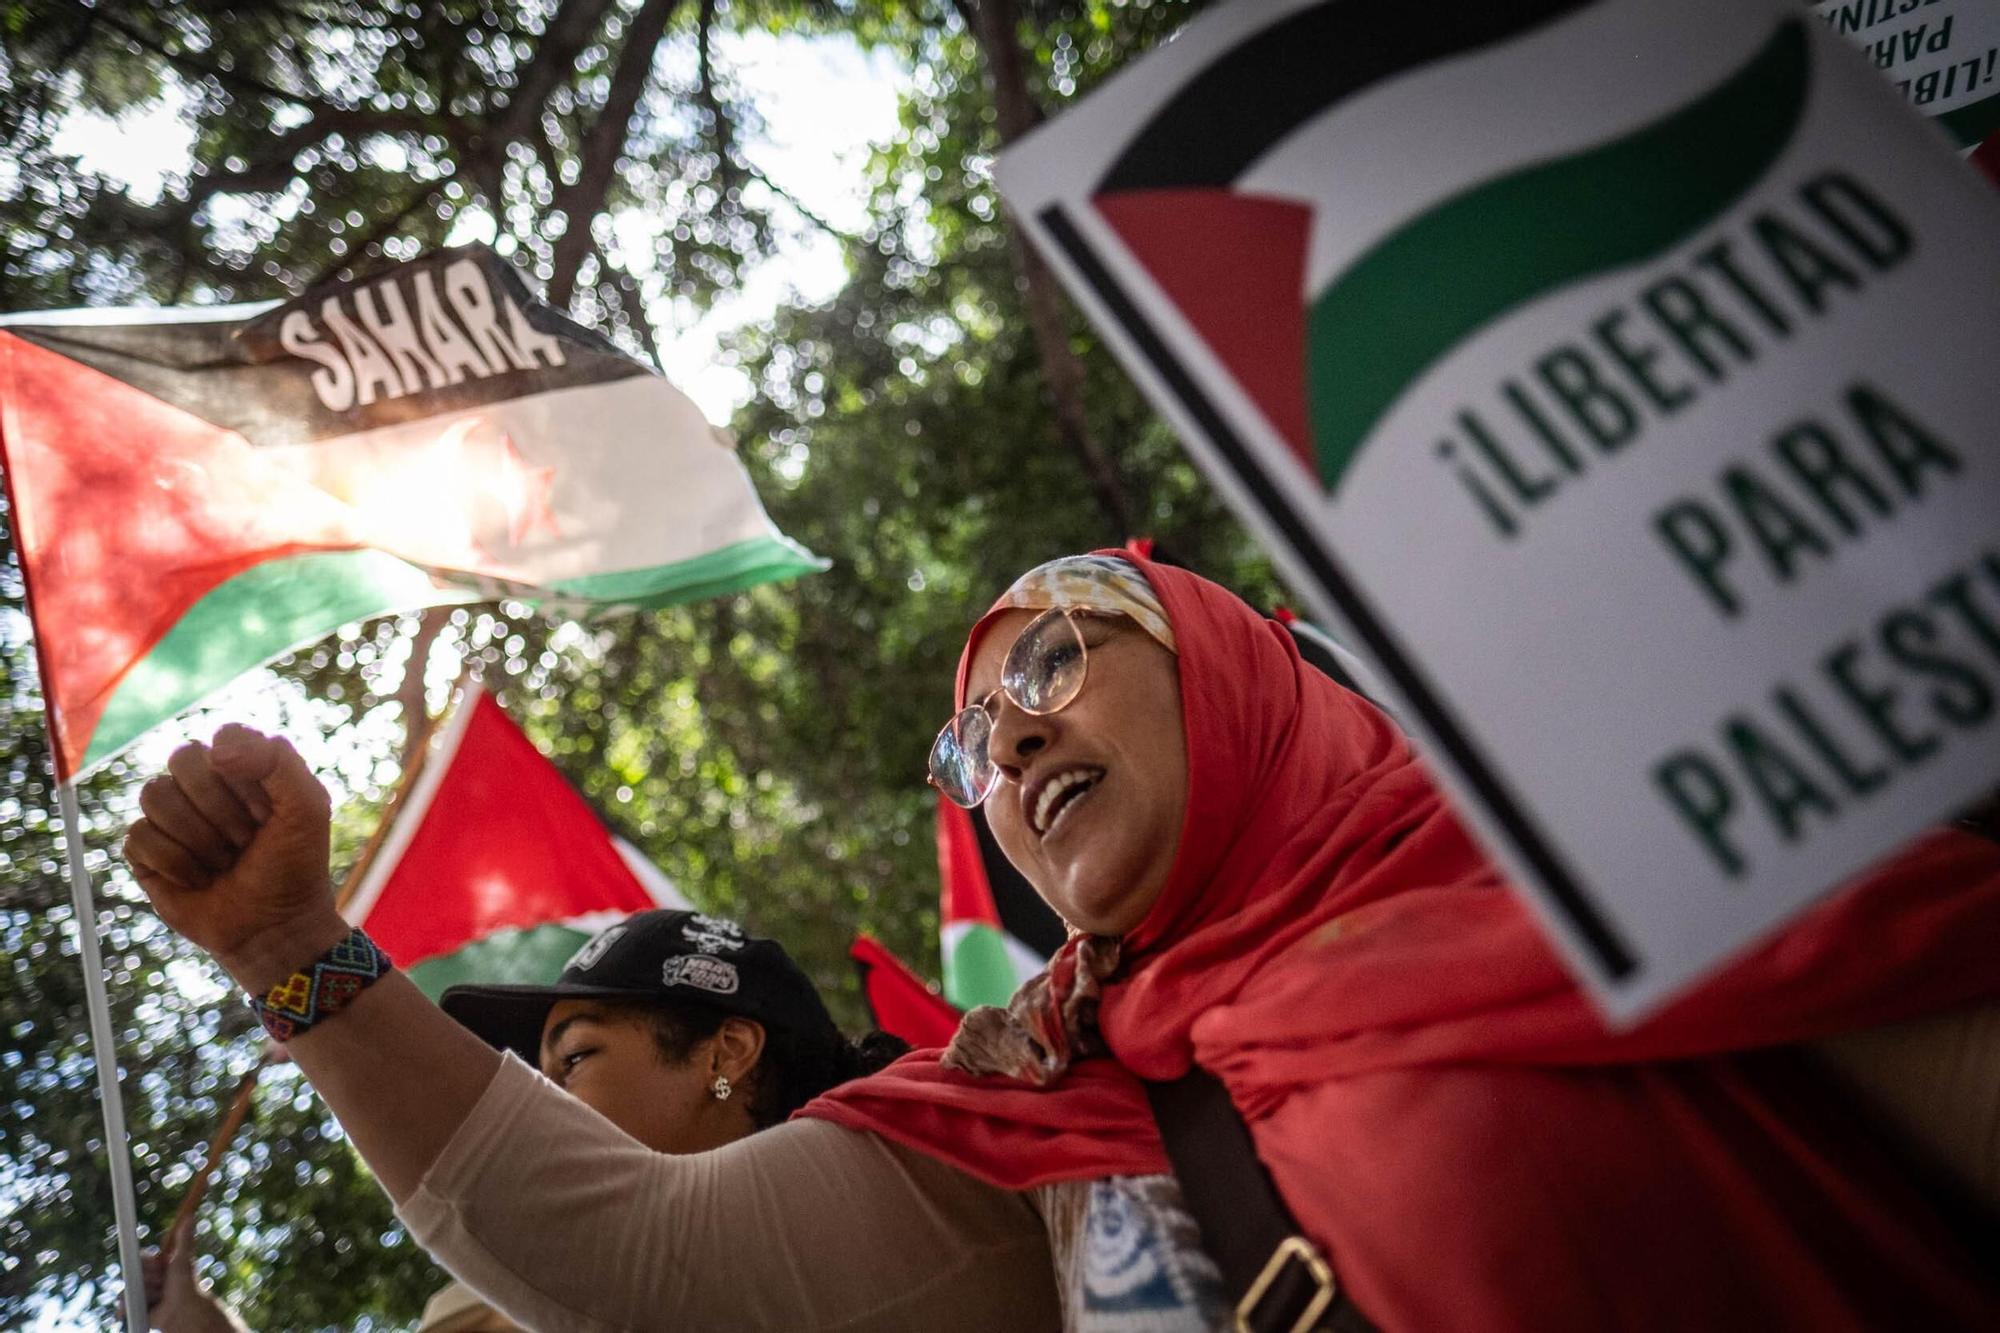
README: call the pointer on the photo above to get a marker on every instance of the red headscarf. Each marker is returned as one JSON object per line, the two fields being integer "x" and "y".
{"x": 1440, "y": 1105}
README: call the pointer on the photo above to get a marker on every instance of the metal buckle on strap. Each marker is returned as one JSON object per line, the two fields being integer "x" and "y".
{"x": 1292, "y": 1249}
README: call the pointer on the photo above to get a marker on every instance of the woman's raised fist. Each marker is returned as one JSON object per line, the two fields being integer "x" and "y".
{"x": 232, "y": 851}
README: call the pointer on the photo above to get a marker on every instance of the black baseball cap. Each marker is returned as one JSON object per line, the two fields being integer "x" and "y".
{"x": 664, "y": 955}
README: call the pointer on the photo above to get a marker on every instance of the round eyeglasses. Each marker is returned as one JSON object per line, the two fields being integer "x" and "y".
{"x": 1042, "y": 674}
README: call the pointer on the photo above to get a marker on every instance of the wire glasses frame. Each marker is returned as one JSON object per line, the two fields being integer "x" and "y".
{"x": 1042, "y": 674}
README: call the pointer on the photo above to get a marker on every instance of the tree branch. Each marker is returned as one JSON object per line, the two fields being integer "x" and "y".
{"x": 410, "y": 692}
{"x": 599, "y": 150}
{"x": 632, "y": 302}
{"x": 792, "y": 201}
{"x": 569, "y": 31}
{"x": 191, "y": 63}
{"x": 376, "y": 235}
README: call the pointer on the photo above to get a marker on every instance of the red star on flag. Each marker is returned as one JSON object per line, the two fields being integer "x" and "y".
{"x": 523, "y": 491}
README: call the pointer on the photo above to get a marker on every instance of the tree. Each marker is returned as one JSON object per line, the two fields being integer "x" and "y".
{"x": 765, "y": 750}
{"x": 331, "y": 135}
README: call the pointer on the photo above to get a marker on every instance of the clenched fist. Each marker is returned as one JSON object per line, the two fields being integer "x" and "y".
{"x": 232, "y": 851}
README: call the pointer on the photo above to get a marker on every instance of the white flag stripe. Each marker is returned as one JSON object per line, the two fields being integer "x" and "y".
{"x": 639, "y": 479}
{"x": 1363, "y": 193}
{"x": 663, "y": 891}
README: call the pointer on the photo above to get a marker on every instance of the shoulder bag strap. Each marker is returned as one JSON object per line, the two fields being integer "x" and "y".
{"x": 1275, "y": 1276}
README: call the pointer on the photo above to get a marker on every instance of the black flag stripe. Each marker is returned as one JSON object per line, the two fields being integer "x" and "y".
{"x": 238, "y": 375}
{"x": 1231, "y": 114}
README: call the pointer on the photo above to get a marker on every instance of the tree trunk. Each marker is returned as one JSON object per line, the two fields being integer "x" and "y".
{"x": 995, "y": 26}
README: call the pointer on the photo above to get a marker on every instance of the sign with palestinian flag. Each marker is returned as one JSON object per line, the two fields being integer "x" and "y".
{"x": 196, "y": 491}
{"x": 1618, "y": 377}
{"x": 1943, "y": 55}
{"x": 495, "y": 870}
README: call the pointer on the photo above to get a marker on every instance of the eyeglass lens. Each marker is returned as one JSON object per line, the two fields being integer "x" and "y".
{"x": 1044, "y": 668}
{"x": 961, "y": 763}
{"x": 1043, "y": 672}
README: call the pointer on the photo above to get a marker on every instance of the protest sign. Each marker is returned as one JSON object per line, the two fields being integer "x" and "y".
{"x": 1943, "y": 55}
{"x": 1619, "y": 376}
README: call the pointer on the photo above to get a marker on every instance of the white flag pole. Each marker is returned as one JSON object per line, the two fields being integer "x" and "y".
{"x": 104, "y": 1053}
{"x": 103, "y": 1049}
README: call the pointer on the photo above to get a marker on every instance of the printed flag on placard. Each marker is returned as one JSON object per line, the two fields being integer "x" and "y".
{"x": 996, "y": 933}
{"x": 1239, "y": 229}
{"x": 496, "y": 870}
{"x": 901, "y": 1003}
{"x": 196, "y": 491}
{"x": 1526, "y": 336}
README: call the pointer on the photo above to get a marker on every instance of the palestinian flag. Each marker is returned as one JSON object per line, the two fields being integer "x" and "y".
{"x": 197, "y": 491}
{"x": 1326, "y": 280}
{"x": 495, "y": 869}
{"x": 899, "y": 1000}
{"x": 996, "y": 933}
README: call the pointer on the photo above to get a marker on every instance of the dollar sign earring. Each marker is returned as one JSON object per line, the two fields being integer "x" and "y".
{"x": 721, "y": 1087}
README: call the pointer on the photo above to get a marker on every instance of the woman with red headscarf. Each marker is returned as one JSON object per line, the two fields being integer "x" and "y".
{"x": 1265, "y": 884}
{"x": 1294, "y": 908}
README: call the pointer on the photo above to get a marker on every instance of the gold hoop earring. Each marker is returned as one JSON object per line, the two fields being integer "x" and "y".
{"x": 721, "y": 1087}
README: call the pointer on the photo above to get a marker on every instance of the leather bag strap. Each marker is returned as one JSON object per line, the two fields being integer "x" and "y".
{"x": 1276, "y": 1278}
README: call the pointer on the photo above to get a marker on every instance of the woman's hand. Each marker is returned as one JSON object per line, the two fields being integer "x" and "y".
{"x": 176, "y": 1302}
{"x": 232, "y": 851}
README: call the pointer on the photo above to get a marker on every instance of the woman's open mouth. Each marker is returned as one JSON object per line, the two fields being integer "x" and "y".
{"x": 1059, "y": 794}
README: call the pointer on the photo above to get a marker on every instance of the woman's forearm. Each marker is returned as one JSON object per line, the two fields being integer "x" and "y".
{"x": 399, "y": 1075}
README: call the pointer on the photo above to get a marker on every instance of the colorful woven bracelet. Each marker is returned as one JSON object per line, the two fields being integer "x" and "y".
{"x": 321, "y": 989}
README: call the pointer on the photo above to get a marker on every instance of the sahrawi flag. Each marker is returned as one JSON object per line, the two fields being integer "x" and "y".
{"x": 196, "y": 491}
{"x": 495, "y": 869}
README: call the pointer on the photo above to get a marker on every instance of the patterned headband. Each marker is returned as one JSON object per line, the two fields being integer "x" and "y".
{"x": 1101, "y": 582}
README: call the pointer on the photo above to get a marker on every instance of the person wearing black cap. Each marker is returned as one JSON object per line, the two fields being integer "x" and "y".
{"x": 680, "y": 1028}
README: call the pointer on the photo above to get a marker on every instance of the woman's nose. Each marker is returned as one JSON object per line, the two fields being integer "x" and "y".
{"x": 1017, "y": 734}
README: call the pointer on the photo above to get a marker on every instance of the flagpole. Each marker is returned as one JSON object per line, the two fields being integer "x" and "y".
{"x": 104, "y": 1054}
{"x": 83, "y": 902}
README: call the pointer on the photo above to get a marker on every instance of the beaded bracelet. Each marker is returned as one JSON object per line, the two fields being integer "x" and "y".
{"x": 322, "y": 988}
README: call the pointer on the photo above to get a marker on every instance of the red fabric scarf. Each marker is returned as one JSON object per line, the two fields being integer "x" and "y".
{"x": 1439, "y": 1104}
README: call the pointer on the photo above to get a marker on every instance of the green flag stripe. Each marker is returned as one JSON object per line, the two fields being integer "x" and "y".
{"x": 246, "y": 621}
{"x": 532, "y": 956}
{"x": 716, "y": 573}
{"x": 1417, "y": 294}
{"x": 978, "y": 969}
{"x": 284, "y": 604}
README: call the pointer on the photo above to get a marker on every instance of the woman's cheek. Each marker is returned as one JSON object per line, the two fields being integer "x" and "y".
{"x": 1010, "y": 833}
